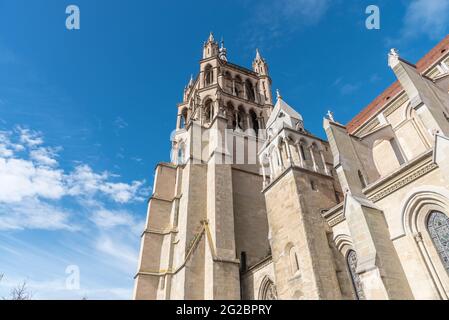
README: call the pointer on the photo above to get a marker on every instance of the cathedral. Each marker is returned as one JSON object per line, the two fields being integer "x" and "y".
{"x": 254, "y": 206}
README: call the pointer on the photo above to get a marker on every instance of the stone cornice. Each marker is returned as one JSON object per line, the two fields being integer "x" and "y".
{"x": 402, "y": 177}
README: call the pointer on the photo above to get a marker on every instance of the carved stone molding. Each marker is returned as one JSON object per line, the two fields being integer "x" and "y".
{"x": 403, "y": 182}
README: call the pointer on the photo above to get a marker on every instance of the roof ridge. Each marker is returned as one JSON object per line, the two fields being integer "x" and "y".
{"x": 424, "y": 63}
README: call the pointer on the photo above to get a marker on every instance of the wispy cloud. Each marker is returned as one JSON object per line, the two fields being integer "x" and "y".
{"x": 119, "y": 123}
{"x": 345, "y": 88}
{"x": 423, "y": 18}
{"x": 273, "y": 20}
{"x": 426, "y": 17}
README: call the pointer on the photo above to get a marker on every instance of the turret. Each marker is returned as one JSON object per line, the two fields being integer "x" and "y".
{"x": 210, "y": 47}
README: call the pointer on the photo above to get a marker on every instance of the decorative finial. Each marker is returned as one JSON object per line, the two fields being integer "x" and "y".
{"x": 393, "y": 57}
{"x": 258, "y": 54}
{"x": 330, "y": 116}
{"x": 191, "y": 80}
{"x": 211, "y": 37}
{"x": 278, "y": 94}
{"x": 222, "y": 51}
{"x": 394, "y": 52}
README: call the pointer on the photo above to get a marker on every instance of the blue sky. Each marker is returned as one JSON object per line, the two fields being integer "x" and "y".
{"x": 85, "y": 115}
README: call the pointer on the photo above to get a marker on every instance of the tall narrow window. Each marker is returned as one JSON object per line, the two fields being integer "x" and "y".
{"x": 208, "y": 74}
{"x": 249, "y": 90}
{"x": 303, "y": 152}
{"x": 208, "y": 112}
{"x": 294, "y": 262}
{"x": 357, "y": 283}
{"x": 438, "y": 225}
{"x": 362, "y": 180}
{"x": 254, "y": 121}
{"x": 183, "y": 121}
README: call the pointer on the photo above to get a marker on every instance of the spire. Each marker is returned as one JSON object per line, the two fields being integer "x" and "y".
{"x": 191, "y": 81}
{"x": 260, "y": 65}
{"x": 258, "y": 57}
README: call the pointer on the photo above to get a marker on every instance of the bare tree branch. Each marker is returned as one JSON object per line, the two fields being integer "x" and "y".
{"x": 21, "y": 292}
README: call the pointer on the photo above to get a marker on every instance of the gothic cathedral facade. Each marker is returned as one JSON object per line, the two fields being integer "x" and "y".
{"x": 254, "y": 206}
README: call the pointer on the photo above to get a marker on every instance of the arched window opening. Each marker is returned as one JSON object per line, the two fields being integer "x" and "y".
{"x": 208, "y": 75}
{"x": 249, "y": 90}
{"x": 181, "y": 154}
{"x": 362, "y": 179}
{"x": 303, "y": 152}
{"x": 183, "y": 121}
{"x": 254, "y": 121}
{"x": 228, "y": 82}
{"x": 208, "y": 111}
{"x": 238, "y": 87}
{"x": 351, "y": 260}
{"x": 267, "y": 290}
{"x": 241, "y": 118}
{"x": 438, "y": 226}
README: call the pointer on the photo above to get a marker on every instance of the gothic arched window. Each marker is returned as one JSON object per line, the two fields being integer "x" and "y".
{"x": 254, "y": 122}
{"x": 183, "y": 121}
{"x": 438, "y": 225}
{"x": 208, "y": 75}
{"x": 238, "y": 87}
{"x": 249, "y": 90}
{"x": 357, "y": 283}
{"x": 267, "y": 290}
{"x": 208, "y": 111}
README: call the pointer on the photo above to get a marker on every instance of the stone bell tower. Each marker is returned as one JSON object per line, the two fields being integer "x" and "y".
{"x": 207, "y": 219}
{"x": 298, "y": 185}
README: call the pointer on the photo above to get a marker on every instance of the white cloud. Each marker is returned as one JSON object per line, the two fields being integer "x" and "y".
{"x": 31, "y": 176}
{"x": 108, "y": 219}
{"x": 34, "y": 214}
{"x": 84, "y": 181}
{"x": 21, "y": 178}
{"x": 426, "y": 17}
{"x": 29, "y": 137}
{"x": 44, "y": 156}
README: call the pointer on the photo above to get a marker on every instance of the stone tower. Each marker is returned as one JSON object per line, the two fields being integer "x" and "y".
{"x": 207, "y": 218}
{"x": 299, "y": 187}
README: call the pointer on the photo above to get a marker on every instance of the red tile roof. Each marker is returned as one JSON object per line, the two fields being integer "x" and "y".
{"x": 431, "y": 57}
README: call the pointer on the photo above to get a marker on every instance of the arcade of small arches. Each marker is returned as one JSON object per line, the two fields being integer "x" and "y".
{"x": 234, "y": 84}
{"x": 239, "y": 118}
{"x": 286, "y": 151}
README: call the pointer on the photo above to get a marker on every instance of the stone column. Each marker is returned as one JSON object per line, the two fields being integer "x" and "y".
{"x": 281, "y": 162}
{"x": 315, "y": 167}
{"x": 326, "y": 169}
{"x": 289, "y": 152}
{"x": 270, "y": 159}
